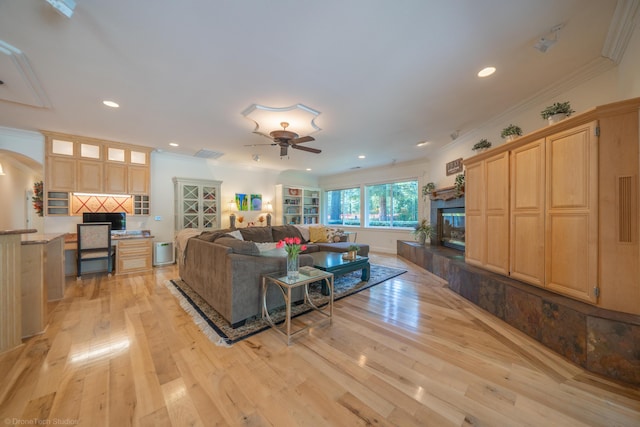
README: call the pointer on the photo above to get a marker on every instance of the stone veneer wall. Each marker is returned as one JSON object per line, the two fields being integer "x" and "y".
{"x": 601, "y": 341}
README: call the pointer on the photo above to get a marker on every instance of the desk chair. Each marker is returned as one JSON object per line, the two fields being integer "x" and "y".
{"x": 94, "y": 243}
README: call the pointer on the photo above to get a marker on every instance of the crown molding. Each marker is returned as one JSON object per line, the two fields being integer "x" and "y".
{"x": 625, "y": 18}
{"x": 585, "y": 73}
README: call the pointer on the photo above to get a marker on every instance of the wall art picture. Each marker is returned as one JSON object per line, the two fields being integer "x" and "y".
{"x": 256, "y": 202}
{"x": 242, "y": 202}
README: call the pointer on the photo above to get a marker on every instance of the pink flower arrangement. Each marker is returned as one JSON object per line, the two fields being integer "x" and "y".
{"x": 293, "y": 245}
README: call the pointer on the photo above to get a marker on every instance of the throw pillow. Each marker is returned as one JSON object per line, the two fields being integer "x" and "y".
{"x": 318, "y": 235}
{"x": 304, "y": 232}
{"x": 236, "y": 234}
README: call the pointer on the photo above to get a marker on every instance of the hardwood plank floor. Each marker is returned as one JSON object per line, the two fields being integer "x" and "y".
{"x": 120, "y": 351}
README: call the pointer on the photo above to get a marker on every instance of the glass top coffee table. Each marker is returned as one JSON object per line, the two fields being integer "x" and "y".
{"x": 334, "y": 262}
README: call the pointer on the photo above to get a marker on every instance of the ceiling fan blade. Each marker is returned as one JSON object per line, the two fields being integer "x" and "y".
{"x": 258, "y": 145}
{"x": 309, "y": 149}
{"x": 302, "y": 139}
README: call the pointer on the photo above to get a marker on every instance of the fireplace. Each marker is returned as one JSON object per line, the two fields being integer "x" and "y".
{"x": 451, "y": 230}
{"x": 449, "y": 218}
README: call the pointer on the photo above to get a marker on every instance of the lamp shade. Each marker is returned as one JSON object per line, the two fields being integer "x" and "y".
{"x": 1, "y": 170}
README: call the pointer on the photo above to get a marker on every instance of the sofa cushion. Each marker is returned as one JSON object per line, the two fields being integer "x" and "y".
{"x": 318, "y": 234}
{"x": 279, "y": 232}
{"x": 257, "y": 234}
{"x": 239, "y": 246}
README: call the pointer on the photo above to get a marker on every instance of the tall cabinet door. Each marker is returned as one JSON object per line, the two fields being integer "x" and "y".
{"x": 497, "y": 213}
{"x": 527, "y": 213}
{"x": 571, "y": 244}
{"x": 474, "y": 214}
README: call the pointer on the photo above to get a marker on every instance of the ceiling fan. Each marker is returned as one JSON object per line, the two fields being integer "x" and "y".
{"x": 286, "y": 139}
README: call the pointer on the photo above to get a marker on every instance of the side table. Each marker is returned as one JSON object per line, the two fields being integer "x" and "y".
{"x": 285, "y": 285}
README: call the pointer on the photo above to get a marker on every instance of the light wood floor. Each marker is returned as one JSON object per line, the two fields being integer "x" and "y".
{"x": 120, "y": 351}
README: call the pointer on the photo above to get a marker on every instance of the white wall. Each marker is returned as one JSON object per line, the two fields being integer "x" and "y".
{"x": 247, "y": 180}
{"x": 21, "y": 156}
{"x": 381, "y": 240}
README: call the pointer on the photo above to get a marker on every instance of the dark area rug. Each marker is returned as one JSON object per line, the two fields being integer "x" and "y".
{"x": 220, "y": 331}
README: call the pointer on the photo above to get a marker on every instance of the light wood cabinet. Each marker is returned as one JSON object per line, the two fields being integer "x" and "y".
{"x": 61, "y": 174}
{"x": 89, "y": 176}
{"x": 88, "y": 165}
{"x": 527, "y": 213}
{"x": 134, "y": 256}
{"x": 571, "y": 220}
{"x": 116, "y": 178}
{"x": 297, "y": 205}
{"x": 475, "y": 240}
{"x": 138, "y": 180}
{"x": 197, "y": 203}
{"x": 573, "y": 207}
{"x": 488, "y": 213}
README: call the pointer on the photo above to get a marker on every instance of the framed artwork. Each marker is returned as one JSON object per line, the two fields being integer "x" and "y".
{"x": 454, "y": 166}
{"x": 256, "y": 202}
{"x": 242, "y": 202}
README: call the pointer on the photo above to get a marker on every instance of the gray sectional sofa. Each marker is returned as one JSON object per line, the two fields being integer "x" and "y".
{"x": 225, "y": 270}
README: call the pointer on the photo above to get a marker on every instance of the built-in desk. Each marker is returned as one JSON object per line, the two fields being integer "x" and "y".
{"x": 133, "y": 249}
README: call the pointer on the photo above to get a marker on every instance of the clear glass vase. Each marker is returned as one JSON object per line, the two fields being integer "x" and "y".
{"x": 293, "y": 267}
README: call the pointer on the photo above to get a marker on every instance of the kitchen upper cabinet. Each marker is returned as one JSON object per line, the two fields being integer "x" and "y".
{"x": 88, "y": 165}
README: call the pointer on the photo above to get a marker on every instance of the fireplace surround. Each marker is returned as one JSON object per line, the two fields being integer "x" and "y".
{"x": 448, "y": 216}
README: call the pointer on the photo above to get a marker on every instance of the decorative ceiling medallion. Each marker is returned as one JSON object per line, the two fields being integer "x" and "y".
{"x": 300, "y": 119}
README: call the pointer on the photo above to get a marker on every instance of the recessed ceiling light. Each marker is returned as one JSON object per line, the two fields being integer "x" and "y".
{"x": 485, "y": 72}
{"x": 111, "y": 104}
{"x": 422, "y": 143}
{"x": 174, "y": 144}
{"x": 308, "y": 169}
{"x": 362, "y": 156}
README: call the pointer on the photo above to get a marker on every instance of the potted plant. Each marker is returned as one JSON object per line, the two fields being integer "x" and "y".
{"x": 511, "y": 132}
{"x": 422, "y": 230}
{"x": 352, "y": 252}
{"x": 481, "y": 145}
{"x": 556, "y": 112}
{"x": 460, "y": 183}
{"x": 428, "y": 189}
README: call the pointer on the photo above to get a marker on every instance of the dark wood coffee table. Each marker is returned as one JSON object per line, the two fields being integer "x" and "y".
{"x": 332, "y": 262}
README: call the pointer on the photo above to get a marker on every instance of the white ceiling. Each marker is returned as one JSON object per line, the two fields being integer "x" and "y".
{"x": 385, "y": 74}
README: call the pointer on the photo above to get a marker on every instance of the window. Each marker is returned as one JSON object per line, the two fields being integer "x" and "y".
{"x": 343, "y": 207}
{"x": 393, "y": 205}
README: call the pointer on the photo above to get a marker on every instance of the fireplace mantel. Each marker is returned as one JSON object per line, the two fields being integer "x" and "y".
{"x": 446, "y": 193}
